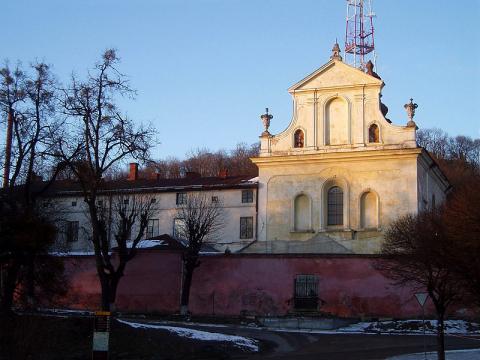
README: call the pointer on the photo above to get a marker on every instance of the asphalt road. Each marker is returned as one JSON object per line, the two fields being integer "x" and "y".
{"x": 310, "y": 346}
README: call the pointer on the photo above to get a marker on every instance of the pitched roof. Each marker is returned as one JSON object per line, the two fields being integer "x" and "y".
{"x": 66, "y": 187}
{"x": 366, "y": 78}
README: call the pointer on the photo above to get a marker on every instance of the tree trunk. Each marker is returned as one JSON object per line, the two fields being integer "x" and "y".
{"x": 114, "y": 281}
{"x": 9, "y": 287}
{"x": 104, "y": 283}
{"x": 441, "y": 336}
{"x": 187, "y": 282}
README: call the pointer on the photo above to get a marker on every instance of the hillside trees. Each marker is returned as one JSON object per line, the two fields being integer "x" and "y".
{"x": 99, "y": 138}
{"x": 208, "y": 163}
{"x": 458, "y": 157}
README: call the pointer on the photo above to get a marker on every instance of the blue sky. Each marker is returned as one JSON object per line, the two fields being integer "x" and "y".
{"x": 206, "y": 69}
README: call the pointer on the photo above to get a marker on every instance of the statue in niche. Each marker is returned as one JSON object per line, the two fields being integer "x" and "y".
{"x": 299, "y": 139}
{"x": 373, "y": 134}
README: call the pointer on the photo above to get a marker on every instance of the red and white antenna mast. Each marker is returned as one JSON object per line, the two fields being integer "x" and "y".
{"x": 359, "y": 41}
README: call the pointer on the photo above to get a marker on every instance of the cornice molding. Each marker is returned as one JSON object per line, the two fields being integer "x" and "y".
{"x": 335, "y": 157}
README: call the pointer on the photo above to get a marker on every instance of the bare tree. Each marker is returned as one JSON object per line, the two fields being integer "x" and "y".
{"x": 100, "y": 138}
{"x": 462, "y": 221}
{"x": 414, "y": 254}
{"x": 201, "y": 219}
{"x": 127, "y": 217}
{"x": 27, "y": 98}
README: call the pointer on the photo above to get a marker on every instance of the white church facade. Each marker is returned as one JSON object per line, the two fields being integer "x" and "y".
{"x": 341, "y": 172}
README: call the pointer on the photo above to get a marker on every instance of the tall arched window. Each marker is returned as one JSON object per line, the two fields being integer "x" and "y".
{"x": 302, "y": 213}
{"x": 373, "y": 134}
{"x": 335, "y": 206}
{"x": 299, "y": 139}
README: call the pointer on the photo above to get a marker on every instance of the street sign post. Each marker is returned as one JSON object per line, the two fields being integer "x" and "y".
{"x": 101, "y": 334}
{"x": 422, "y": 298}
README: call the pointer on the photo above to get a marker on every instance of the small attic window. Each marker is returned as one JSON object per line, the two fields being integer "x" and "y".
{"x": 298, "y": 139}
{"x": 373, "y": 134}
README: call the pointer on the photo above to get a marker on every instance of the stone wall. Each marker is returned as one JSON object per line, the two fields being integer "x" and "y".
{"x": 232, "y": 285}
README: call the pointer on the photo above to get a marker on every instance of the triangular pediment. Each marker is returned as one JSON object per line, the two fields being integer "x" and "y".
{"x": 335, "y": 74}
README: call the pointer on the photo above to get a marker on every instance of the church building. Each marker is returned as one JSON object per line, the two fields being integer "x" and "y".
{"x": 340, "y": 172}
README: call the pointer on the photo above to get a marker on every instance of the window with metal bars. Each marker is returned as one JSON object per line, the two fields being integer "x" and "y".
{"x": 247, "y": 196}
{"x": 71, "y": 231}
{"x": 306, "y": 292}
{"x": 181, "y": 198}
{"x": 335, "y": 206}
{"x": 152, "y": 229}
{"x": 246, "y": 227}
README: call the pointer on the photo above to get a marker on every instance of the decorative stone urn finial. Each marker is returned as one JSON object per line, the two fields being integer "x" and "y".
{"x": 266, "y": 122}
{"x": 410, "y": 107}
{"x": 336, "y": 52}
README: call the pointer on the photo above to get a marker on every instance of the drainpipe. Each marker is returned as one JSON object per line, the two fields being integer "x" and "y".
{"x": 256, "y": 213}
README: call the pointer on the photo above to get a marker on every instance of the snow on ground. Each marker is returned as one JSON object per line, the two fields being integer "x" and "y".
{"x": 72, "y": 253}
{"x": 238, "y": 341}
{"x": 411, "y": 327}
{"x": 145, "y": 244}
{"x": 467, "y": 354}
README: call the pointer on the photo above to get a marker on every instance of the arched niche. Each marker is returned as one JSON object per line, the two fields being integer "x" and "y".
{"x": 336, "y": 126}
{"x": 373, "y": 133}
{"x": 302, "y": 213}
{"x": 369, "y": 210}
{"x": 299, "y": 138}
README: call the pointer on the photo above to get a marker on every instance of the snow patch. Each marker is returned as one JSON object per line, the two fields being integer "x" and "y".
{"x": 72, "y": 253}
{"x": 145, "y": 244}
{"x": 238, "y": 341}
{"x": 411, "y": 327}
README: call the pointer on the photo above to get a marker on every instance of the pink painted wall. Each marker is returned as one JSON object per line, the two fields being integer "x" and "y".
{"x": 251, "y": 284}
{"x": 264, "y": 285}
{"x": 151, "y": 283}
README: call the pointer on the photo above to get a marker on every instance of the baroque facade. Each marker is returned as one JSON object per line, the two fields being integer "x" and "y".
{"x": 341, "y": 172}
{"x": 331, "y": 182}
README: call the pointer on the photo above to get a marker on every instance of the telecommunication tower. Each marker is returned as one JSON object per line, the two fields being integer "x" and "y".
{"x": 359, "y": 40}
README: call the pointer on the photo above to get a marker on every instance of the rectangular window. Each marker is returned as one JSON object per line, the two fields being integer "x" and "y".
{"x": 100, "y": 203}
{"x": 123, "y": 227}
{"x": 306, "y": 292}
{"x": 246, "y": 227}
{"x": 74, "y": 203}
{"x": 247, "y": 196}
{"x": 181, "y": 198}
{"x": 126, "y": 201}
{"x": 152, "y": 228}
{"x": 153, "y": 200}
{"x": 214, "y": 199}
{"x": 179, "y": 228}
{"x": 71, "y": 231}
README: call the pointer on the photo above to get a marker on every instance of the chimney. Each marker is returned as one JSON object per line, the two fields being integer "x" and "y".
{"x": 133, "y": 173}
{"x": 223, "y": 173}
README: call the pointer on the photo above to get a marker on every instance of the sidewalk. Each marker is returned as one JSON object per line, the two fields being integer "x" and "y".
{"x": 470, "y": 354}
